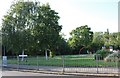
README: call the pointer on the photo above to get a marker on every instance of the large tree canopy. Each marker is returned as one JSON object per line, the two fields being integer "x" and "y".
{"x": 29, "y": 25}
{"x": 98, "y": 41}
{"x": 114, "y": 40}
{"x": 81, "y": 37}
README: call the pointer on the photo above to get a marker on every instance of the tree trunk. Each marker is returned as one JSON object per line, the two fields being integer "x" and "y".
{"x": 46, "y": 56}
{"x": 22, "y": 57}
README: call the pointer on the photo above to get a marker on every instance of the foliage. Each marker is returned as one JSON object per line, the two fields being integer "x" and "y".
{"x": 107, "y": 38}
{"x": 80, "y": 37}
{"x": 103, "y": 53}
{"x": 115, "y": 40}
{"x": 115, "y": 57}
{"x": 30, "y": 26}
{"x": 112, "y": 39}
{"x": 63, "y": 48}
{"x": 98, "y": 41}
{"x": 51, "y": 54}
{"x": 33, "y": 28}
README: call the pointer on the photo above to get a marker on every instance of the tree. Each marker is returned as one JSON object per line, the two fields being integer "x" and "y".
{"x": 62, "y": 46}
{"x": 111, "y": 39}
{"x": 80, "y": 38}
{"x": 107, "y": 38}
{"x": 114, "y": 40}
{"x": 98, "y": 41}
{"x": 29, "y": 25}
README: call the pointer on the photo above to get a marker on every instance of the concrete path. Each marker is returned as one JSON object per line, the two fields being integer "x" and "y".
{"x": 18, "y": 74}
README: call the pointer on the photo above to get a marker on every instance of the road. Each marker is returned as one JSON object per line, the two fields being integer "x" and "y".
{"x": 19, "y": 74}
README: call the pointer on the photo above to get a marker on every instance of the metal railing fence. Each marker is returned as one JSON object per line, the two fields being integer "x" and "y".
{"x": 65, "y": 63}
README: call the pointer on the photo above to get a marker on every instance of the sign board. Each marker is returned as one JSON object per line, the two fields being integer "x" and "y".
{"x": 22, "y": 55}
{"x": 4, "y": 61}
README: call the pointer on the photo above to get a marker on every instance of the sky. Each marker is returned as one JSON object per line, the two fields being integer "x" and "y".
{"x": 99, "y": 15}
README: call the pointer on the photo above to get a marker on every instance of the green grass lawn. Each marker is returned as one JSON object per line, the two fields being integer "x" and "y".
{"x": 69, "y": 60}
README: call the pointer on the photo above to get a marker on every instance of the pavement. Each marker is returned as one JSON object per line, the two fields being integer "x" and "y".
{"x": 76, "y": 71}
{"x": 19, "y": 74}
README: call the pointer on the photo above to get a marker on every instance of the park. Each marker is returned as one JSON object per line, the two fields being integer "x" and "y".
{"x": 32, "y": 39}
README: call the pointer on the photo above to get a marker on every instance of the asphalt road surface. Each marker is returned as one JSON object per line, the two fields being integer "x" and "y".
{"x": 18, "y": 74}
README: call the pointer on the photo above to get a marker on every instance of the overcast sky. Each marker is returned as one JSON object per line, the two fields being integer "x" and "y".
{"x": 97, "y": 14}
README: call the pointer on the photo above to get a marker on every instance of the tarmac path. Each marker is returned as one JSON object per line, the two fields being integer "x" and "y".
{"x": 18, "y": 74}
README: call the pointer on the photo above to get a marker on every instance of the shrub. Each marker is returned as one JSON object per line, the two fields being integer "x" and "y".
{"x": 51, "y": 54}
{"x": 115, "y": 57}
{"x": 101, "y": 54}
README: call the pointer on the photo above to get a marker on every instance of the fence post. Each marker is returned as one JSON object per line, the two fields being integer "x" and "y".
{"x": 27, "y": 62}
{"x": 18, "y": 63}
{"x": 97, "y": 62}
{"x": 63, "y": 64}
{"x": 37, "y": 63}
{"x": 117, "y": 63}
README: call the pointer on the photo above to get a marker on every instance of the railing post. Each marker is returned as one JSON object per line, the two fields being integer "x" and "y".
{"x": 63, "y": 64}
{"x": 18, "y": 63}
{"x": 117, "y": 63}
{"x": 97, "y": 62}
{"x": 37, "y": 63}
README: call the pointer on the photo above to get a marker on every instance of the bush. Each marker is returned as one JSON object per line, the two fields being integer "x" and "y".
{"x": 115, "y": 57}
{"x": 101, "y": 54}
{"x": 51, "y": 54}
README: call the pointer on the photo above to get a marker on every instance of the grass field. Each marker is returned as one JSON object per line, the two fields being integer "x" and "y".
{"x": 69, "y": 60}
